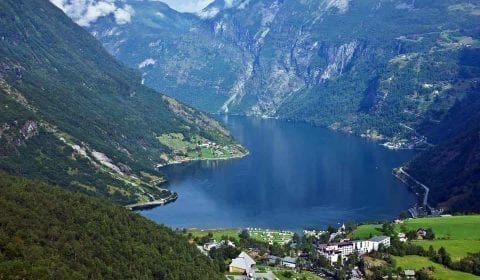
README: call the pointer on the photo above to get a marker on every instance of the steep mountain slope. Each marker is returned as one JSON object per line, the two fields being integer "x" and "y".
{"x": 452, "y": 169}
{"x": 376, "y": 68}
{"x": 48, "y": 233}
{"x": 74, "y": 116}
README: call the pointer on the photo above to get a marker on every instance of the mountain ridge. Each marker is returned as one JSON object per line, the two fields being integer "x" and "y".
{"x": 86, "y": 122}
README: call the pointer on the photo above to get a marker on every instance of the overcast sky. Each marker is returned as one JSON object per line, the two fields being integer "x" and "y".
{"x": 188, "y": 5}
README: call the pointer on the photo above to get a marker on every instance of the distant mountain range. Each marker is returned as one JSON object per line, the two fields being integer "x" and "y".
{"x": 399, "y": 71}
{"x": 375, "y": 68}
{"x": 74, "y": 116}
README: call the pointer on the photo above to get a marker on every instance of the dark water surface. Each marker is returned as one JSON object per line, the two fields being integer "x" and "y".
{"x": 296, "y": 176}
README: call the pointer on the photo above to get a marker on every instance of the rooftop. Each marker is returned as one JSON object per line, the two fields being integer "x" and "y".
{"x": 378, "y": 238}
{"x": 289, "y": 260}
{"x": 243, "y": 261}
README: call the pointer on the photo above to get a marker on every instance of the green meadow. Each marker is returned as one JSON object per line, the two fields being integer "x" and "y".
{"x": 439, "y": 271}
{"x": 459, "y": 235}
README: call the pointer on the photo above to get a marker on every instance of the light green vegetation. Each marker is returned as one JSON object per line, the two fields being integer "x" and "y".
{"x": 296, "y": 275}
{"x": 195, "y": 147}
{"x": 459, "y": 235}
{"x": 454, "y": 227}
{"x": 440, "y": 272}
{"x": 271, "y": 236}
{"x": 365, "y": 231}
{"x": 456, "y": 248}
{"x": 217, "y": 233}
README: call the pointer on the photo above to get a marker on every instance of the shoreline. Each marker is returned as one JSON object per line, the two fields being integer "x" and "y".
{"x": 173, "y": 196}
{"x": 202, "y": 159}
{"x": 152, "y": 204}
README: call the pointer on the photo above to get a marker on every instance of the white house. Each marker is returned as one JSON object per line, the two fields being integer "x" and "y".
{"x": 363, "y": 246}
{"x": 289, "y": 262}
{"x": 227, "y": 243}
{"x": 210, "y": 245}
{"x": 346, "y": 248}
{"x": 242, "y": 264}
{"x": 380, "y": 240}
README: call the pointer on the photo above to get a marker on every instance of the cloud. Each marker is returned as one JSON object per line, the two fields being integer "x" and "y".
{"x": 84, "y": 12}
{"x": 189, "y": 6}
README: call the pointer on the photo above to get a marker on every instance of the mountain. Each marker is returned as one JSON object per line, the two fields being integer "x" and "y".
{"x": 48, "y": 233}
{"x": 452, "y": 168}
{"x": 74, "y": 116}
{"x": 377, "y": 68}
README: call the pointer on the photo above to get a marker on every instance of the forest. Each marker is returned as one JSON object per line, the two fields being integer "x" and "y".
{"x": 49, "y": 233}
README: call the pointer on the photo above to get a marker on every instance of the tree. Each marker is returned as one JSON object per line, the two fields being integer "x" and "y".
{"x": 403, "y": 215}
{"x": 430, "y": 235}
{"x": 244, "y": 234}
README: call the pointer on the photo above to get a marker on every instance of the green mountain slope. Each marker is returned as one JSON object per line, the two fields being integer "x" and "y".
{"x": 47, "y": 233}
{"x": 405, "y": 73}
{"x": 374, "y": 68}
{"x": 452, "y": 169}
{"x": 74, "y": 116}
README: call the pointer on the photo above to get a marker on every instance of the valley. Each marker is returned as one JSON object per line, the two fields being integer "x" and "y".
{"x": 244, "y": 139}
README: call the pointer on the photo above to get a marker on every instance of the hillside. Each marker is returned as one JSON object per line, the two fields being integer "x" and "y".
{"x": 72, "y": 115}
{"x": 452, "y": 169}
{"x": 404, "y": 74}
{"x": 382, "y": 69}
{"x": 48, "y": 233}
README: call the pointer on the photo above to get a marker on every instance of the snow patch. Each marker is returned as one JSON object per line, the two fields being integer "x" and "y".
{"x": 147, "y": 62}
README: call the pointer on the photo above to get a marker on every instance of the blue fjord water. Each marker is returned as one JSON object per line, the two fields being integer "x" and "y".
{"x": 297, "y": 176}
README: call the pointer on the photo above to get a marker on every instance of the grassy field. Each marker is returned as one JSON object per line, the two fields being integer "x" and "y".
{"x": 217, "y": 233}
{"x": 271, "y": 236}
{"x": 459, "y": 235}
{"x": 456, "y": 248}
{"x": 440, "y": 272}
{"x": 300, "y": 275}
{"x": 364, "y": 231}
{"x": 455, "y": 227}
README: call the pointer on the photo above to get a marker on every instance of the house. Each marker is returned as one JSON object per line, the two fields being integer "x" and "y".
{"x": 227, "y": 243}
{"x": 331, "y": 256}
{"x": 380, "y": 240}
{"x": 363, "y": 247}
{"x": 402, "y": 237}
{"x": 274, "y": 260}
{"x": 242, "y": 264}
{"x": 409, "y": 274}
{"x": 421, "y": 233}
{"x": 210, "y": 245}
{"x": 346, "y": 248}
{"x": 289, "y": 262}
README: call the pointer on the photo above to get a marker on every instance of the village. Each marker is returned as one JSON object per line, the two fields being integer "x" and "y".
{"x": 274, "y": 254}
{"x": 397, "y": 249}
{"x": 185, "y": 149}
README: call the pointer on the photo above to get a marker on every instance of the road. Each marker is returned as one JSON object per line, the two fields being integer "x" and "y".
{"x": 427, "y": 190}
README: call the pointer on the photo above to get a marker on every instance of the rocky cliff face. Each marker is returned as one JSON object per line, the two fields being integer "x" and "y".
{"x": 376, "y": 68}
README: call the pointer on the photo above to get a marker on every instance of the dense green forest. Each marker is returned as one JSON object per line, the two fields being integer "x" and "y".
{"x": 48, "y": 233}
{"x": 73, "y": 115}
{"x": 452, "y": 169}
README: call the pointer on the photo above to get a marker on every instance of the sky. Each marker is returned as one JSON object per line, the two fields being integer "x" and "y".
{"x": 85, "y": 12}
